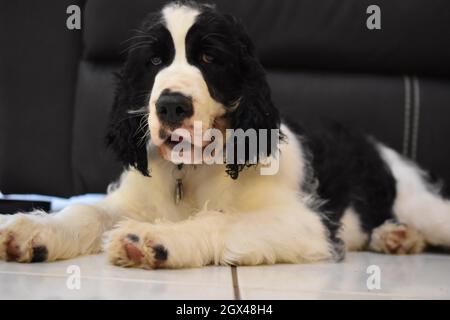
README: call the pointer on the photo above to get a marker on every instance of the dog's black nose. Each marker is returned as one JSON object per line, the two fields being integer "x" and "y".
{"x": 173, "y": 107}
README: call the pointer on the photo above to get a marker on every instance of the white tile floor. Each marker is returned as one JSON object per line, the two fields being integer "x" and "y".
{"x": 408, "y": 277}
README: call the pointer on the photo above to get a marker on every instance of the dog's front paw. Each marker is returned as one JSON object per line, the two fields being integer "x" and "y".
{"x": 21, "y": 240}
{"x": 134, "y": 244}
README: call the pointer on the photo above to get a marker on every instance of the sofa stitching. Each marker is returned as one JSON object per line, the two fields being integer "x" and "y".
{"x": 407, "y": 115}
{"x": 416, "y": 118}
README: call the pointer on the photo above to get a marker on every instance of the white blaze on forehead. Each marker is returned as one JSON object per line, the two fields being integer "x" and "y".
{"x": 179, "y": 19}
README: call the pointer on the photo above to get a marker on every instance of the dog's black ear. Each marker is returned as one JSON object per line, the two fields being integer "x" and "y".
{"x": 128, "y": 126}
{"x": 128, "y": 133}
{"x": 255, "y": 109}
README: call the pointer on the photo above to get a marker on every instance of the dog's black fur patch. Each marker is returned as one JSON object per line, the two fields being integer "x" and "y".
{"x": 236, "y": 78}
{"x": 128, "y": 127}
{"x": 350, "y": 173}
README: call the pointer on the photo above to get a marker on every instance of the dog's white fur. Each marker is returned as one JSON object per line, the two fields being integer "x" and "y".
{"x": 417, "y": 204}
{"x": 220, "y": 220}
{"x": 255, "y": 219}
{"x": 351, "y": 232}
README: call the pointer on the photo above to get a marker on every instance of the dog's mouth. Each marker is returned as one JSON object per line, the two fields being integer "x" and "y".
{"x": 171, "y": 142}
{"x": 189, "y": 135}
{"x": 191, "y": 139}
{"x": 173, "y": 139}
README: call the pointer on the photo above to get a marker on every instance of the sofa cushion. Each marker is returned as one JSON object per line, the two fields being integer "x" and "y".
{"x": 306, "y": 34}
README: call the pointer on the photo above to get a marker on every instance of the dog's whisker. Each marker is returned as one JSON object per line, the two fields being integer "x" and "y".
{"x": 135, "y": 48}
{"x": 141, "y": 111}
{"x": 142, "y": 124}
{"x": 128, "y": 118}
{"x": 140, "y": 31}
{"x": 142, "y": 95}
{"x": 145, "y": 137}
{"x": 136, "y": 44}
{"x": 147, "y": 36}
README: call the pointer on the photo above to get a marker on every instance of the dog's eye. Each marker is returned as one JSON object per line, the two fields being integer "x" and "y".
{"x": 207, "y": 58}
{"x": 156, "y": 61}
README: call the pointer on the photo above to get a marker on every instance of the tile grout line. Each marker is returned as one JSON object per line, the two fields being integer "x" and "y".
{"x": 235, "y": 280}
{"x": 108, "y": 278}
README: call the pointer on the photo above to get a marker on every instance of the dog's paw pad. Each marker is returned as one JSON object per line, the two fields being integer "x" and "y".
{"x": 12, "y": 249}
{"x": 39, "y": 254}
{"x": 132, "y": 250}
{"x": 134, "y": 254}
{"x": 160, "y": 253}
{"x": 24, "y": 251}
{"x": 394, "y": 238}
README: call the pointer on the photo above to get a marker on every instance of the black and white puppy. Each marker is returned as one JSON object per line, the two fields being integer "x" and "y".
{"x": 333, "y": 190}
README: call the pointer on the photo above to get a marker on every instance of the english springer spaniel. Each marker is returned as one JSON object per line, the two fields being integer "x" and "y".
{"x": 331, "y": 190}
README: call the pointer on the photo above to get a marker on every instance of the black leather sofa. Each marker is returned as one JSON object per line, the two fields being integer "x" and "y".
{"x": 56, "y": 85}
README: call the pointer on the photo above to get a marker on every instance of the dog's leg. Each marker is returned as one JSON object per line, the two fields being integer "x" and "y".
{"x": 37, "y": 236}
{"x": 280, "y": 234}
{"x": 419, "y": 204}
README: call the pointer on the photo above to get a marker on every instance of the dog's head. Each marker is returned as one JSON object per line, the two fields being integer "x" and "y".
{"x": 189, "y": 63}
